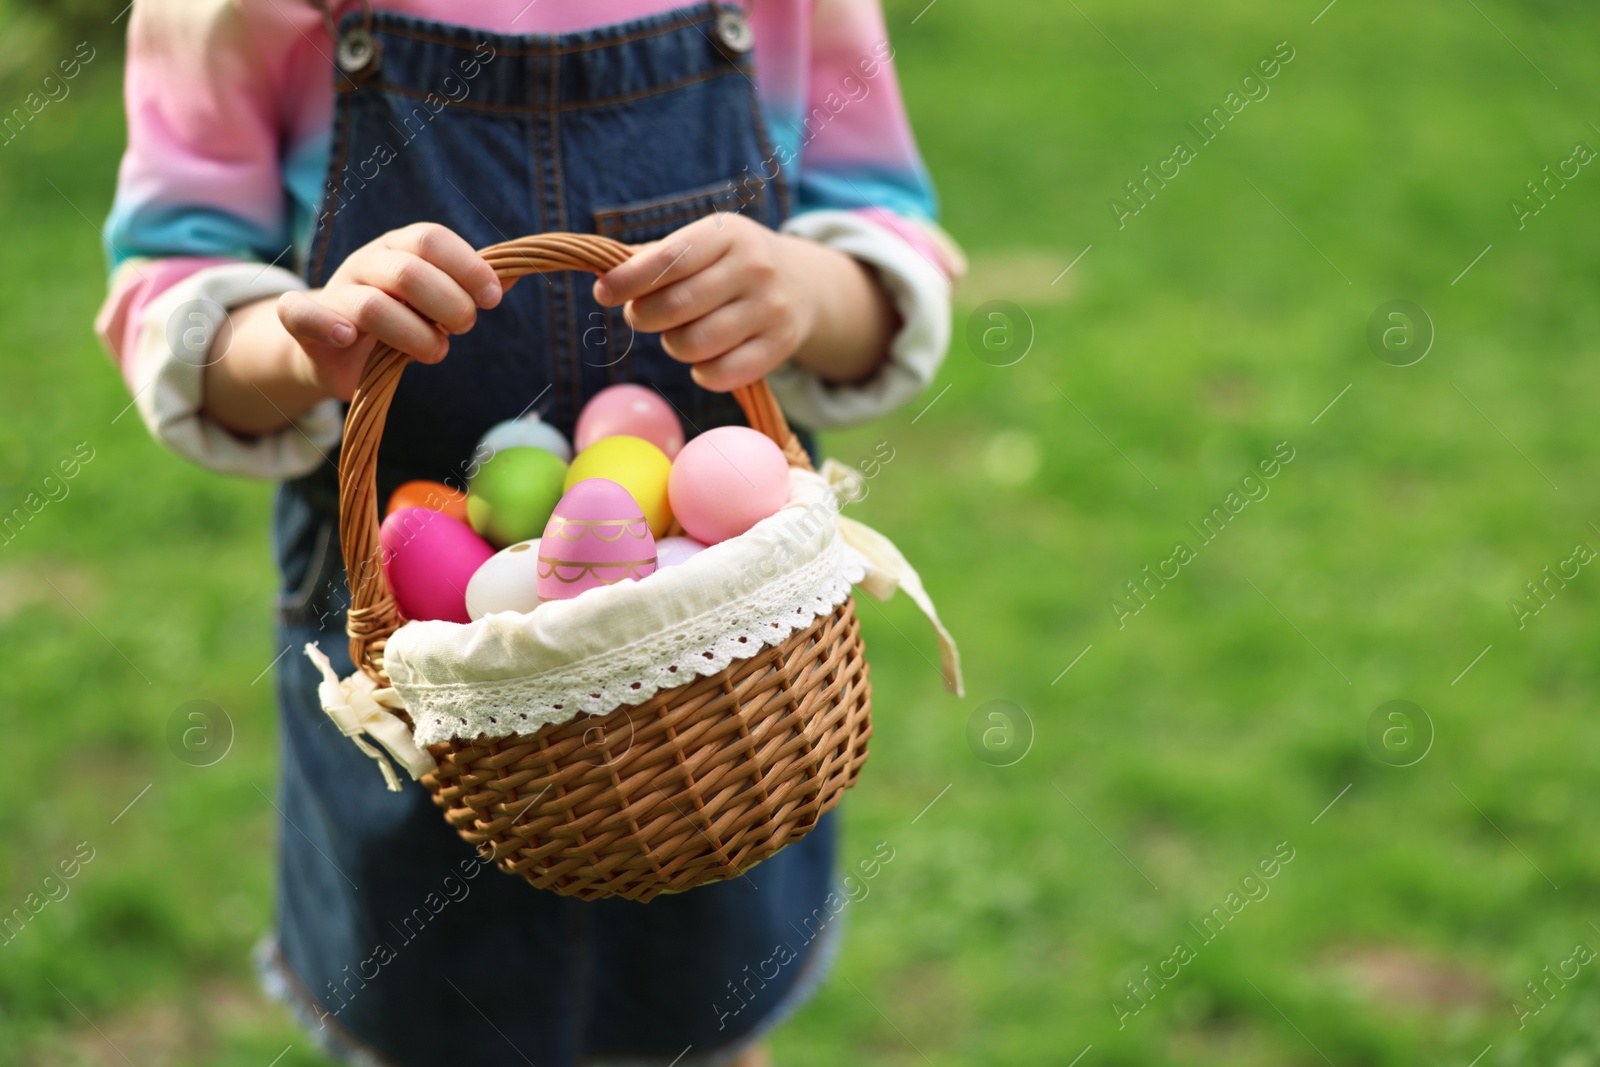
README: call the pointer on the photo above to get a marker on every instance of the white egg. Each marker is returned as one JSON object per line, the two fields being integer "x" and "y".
{"x": 507, "y": 581}
{"x": 526, "y": 432}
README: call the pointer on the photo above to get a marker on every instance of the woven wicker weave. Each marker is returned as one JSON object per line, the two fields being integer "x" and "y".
{"x": 698, "y": 783}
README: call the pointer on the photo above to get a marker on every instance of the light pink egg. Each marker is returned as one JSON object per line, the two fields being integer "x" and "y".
{"x": 671, "y": 551}
{"x": 428, "y": 559}
{"x": 725, "y": 481}
{"x": 633, "y": 410}
{"x": 597, "y": 536}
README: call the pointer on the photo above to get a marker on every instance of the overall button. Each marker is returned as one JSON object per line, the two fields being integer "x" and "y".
{"x": 357, "y": 51}
{"x": 733, "y": 31}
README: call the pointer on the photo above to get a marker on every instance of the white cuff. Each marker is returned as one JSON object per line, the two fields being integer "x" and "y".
{"x": 920, "y": 292}
{"x": 171, "y": 350}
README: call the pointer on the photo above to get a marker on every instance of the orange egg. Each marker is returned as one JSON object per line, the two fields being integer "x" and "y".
{"x": 435, "y": 496}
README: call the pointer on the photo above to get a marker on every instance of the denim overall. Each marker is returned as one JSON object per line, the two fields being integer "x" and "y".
{"x": 394, "y": 942}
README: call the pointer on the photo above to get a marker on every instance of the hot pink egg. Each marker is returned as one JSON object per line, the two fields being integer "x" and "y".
{"x": 597, "y": 536}
{"x": 725, "y": 481}
{"x": 633, "y": 410}
{"x": 428, "y": 559}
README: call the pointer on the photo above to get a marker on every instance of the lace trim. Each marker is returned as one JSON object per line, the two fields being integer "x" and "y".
{"x": 632, "y": 674}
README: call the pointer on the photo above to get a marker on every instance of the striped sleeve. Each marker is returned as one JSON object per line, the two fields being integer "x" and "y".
{"x": 861, "y": 187}
{"x": 201, "y": 197}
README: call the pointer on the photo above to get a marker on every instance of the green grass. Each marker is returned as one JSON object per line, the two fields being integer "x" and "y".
{"x": 1179, "y": 750}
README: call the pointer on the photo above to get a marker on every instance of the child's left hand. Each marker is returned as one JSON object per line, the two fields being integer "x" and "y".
{"x": 725, "y": 293}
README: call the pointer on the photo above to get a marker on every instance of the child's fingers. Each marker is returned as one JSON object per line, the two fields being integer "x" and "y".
{"x": 450, "y": 252}
{"x": 742, "y": 366}
{"x": 683, "y": 302}
{"x": 313, "y": 323}
{"x": 381, "y": 315}
{"x": 409, "y": 277}
{"x": 688, "y": 251}
{"x": 716, "y": 334}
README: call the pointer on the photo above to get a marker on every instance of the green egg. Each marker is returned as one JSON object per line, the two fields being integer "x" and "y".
{"x": 512, "y": 495}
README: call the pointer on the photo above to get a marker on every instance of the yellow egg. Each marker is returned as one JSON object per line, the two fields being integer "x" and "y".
{"x": 635, "y": 464}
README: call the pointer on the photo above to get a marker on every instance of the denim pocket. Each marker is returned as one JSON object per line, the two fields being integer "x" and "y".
{"x": 650, "y": 220}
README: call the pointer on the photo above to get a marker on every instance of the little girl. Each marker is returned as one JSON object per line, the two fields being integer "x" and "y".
{"x": 762, "y": 163}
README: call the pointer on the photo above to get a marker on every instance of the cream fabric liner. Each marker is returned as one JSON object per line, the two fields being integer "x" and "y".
{"x": 511, "y": 673}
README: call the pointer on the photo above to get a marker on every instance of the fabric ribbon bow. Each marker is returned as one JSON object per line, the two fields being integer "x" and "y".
{"x": 357, "y": 706}
{"x": 888, "y": 570}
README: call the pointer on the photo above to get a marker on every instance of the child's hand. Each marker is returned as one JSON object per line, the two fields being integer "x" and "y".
{"x": 392, "y": 290}
{"x": 725, "y": 293}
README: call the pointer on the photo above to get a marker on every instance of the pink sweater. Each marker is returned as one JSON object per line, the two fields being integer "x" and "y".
{"x": 230, "y": 109}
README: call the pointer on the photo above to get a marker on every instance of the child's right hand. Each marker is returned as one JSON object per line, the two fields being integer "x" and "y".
{"x": 393, "y": 290}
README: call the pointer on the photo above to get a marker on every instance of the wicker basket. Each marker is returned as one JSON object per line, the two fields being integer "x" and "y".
{"x": 711, "y": 777}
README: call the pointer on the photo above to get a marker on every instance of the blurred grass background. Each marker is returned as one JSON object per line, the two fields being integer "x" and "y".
{"x": 1176, "y": 753}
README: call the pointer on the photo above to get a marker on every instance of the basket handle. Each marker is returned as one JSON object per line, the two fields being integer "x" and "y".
{"x": 374, "y": 614}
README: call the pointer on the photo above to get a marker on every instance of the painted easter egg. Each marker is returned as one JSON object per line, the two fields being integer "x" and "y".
{"x": 435, "y": 496}
{"x": 508, "y": 581}
{"x": 597, "y": 536}
{"x": 671, "y": 551}
{"x": 429, "y": 559}
{"x": 725, "y": 481}
{"x": 529, "y": 431}
{"x": 635, "y": 464}
{"x": 631, "y": 410}
{"x": 512, "y": 495}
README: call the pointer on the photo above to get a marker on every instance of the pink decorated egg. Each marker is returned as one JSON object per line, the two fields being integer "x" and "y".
{"x": 635, "y": 464}
{"x": 428, "y": 559}
{"x": 631, "y": 410}
{"x": 597, "y": 536}
{"x": 725, "y": 481}
{"x": 671, "y": 551}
